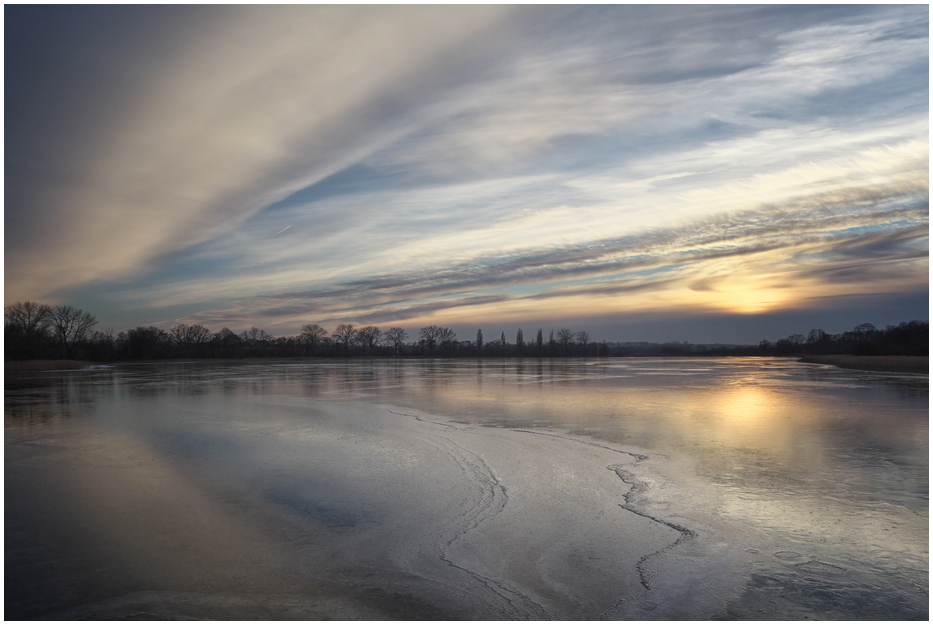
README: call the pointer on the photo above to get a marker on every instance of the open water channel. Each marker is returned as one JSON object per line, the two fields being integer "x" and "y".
{"x": 644, "y": 489}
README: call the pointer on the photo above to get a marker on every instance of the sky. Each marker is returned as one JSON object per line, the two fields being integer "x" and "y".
{"x": 645, "y": 173}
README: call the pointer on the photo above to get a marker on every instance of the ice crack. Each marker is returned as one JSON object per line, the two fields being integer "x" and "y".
{"x": 491, "y": 501}
{"x": 636, "y": 487}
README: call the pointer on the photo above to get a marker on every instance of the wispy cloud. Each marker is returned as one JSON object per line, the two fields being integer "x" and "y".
{"x": 816, "y": 244}
{"x": 292, "y": 164}
{"x": 259, "y": 102}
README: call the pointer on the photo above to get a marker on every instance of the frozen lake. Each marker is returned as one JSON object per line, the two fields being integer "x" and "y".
{"x": 753, "y": 488}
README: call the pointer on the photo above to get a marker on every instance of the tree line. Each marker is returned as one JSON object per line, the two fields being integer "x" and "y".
{"x": 908, "y": 338}
{"x": 39, "y": 331}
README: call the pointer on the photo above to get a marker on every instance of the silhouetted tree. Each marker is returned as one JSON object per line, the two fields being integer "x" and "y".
{"x": 144, "y": 343}
{"x": 396, "y": 337}
{"x": 311, "y": 335}
{"x": 345, "y": 334}
{"x": 815, "y": 335}
{"x": 69, "y": 326}
{"x": 429, "y": 337}
{"x": 29, "y": 317}
{"x": 328, "y": 345}
{"x": 479, "y": 341}
{"x": 197, "y": 336}
{"x": 908, "y": 338}
{"x": 565, "y": 337}
{"x": 584, "y": 338}
{"x": 539, "y": 342}
{"x": 190, "y": 340}
{"x": 369, "y": 336}
{"x": 519, "y": 342}
{"x": 101, "y": 345}
{"x": 25, "y": 326}
{"x": 505, "y": 346}
{"x": 448, "y": 339}
{"x": 177, "y": 334}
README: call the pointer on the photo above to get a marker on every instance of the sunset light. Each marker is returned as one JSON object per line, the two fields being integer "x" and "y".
{"x": 467, "y": 165}
{"x": 434, "y": 313}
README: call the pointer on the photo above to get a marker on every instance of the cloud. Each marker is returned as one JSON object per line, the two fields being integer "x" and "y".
{"x": 295, "y": 164}
{"x": 260, "y": 102}
{"x": 798, "y": 246}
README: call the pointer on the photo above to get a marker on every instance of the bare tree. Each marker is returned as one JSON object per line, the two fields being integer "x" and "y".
{"x": 447, "y": 338}
{"x": 479, "y": 341}
{"x": 345, "y": 333}
{"x": 396, "y": 337}
{"x": 70, "y": 325}
{"x": 369, "y": 336}
{"x": 565, "y": 337}
{"x": 257, "y": 335}
{"x": 583, "y": 337}
{"x": 312, "y": 335}
{"x": 429, "y": 336}
{"x": 188, "y": 338}
{"x": 197, "y": 335}
{"x": 179, "y": 334}
{"x": 519, "y": 341}
{"x": 28, "y": 317}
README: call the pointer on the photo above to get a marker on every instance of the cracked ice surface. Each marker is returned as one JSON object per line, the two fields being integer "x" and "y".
{"x": 278, "y": 493}
{"x": 637, "y": 489}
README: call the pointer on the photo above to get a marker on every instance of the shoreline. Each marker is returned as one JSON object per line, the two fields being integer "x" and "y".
{"x": 884, "y": 364}
{"x": 28, "y": 366}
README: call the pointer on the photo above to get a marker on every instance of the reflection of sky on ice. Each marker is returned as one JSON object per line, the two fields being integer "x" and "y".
{"x": 804, "y": 488}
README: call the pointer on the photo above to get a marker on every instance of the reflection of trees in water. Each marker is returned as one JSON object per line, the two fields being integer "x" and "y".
{"x": 38, "y": 413}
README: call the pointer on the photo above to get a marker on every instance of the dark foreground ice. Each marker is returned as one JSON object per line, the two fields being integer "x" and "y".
{"x": 370, "y": 490}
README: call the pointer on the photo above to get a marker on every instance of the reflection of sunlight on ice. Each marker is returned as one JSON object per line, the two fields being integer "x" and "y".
{"x": 273, "y": 478}
{"x": 761, "y": 425}
{"x": 744, "y": 404}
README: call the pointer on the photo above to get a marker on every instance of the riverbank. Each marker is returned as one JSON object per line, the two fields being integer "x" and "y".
{"x": 22, "y": 366}
{"x": 890, "y": 364}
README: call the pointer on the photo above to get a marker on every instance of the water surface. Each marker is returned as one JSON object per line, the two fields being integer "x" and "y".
{"x": 619, "y": 488}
